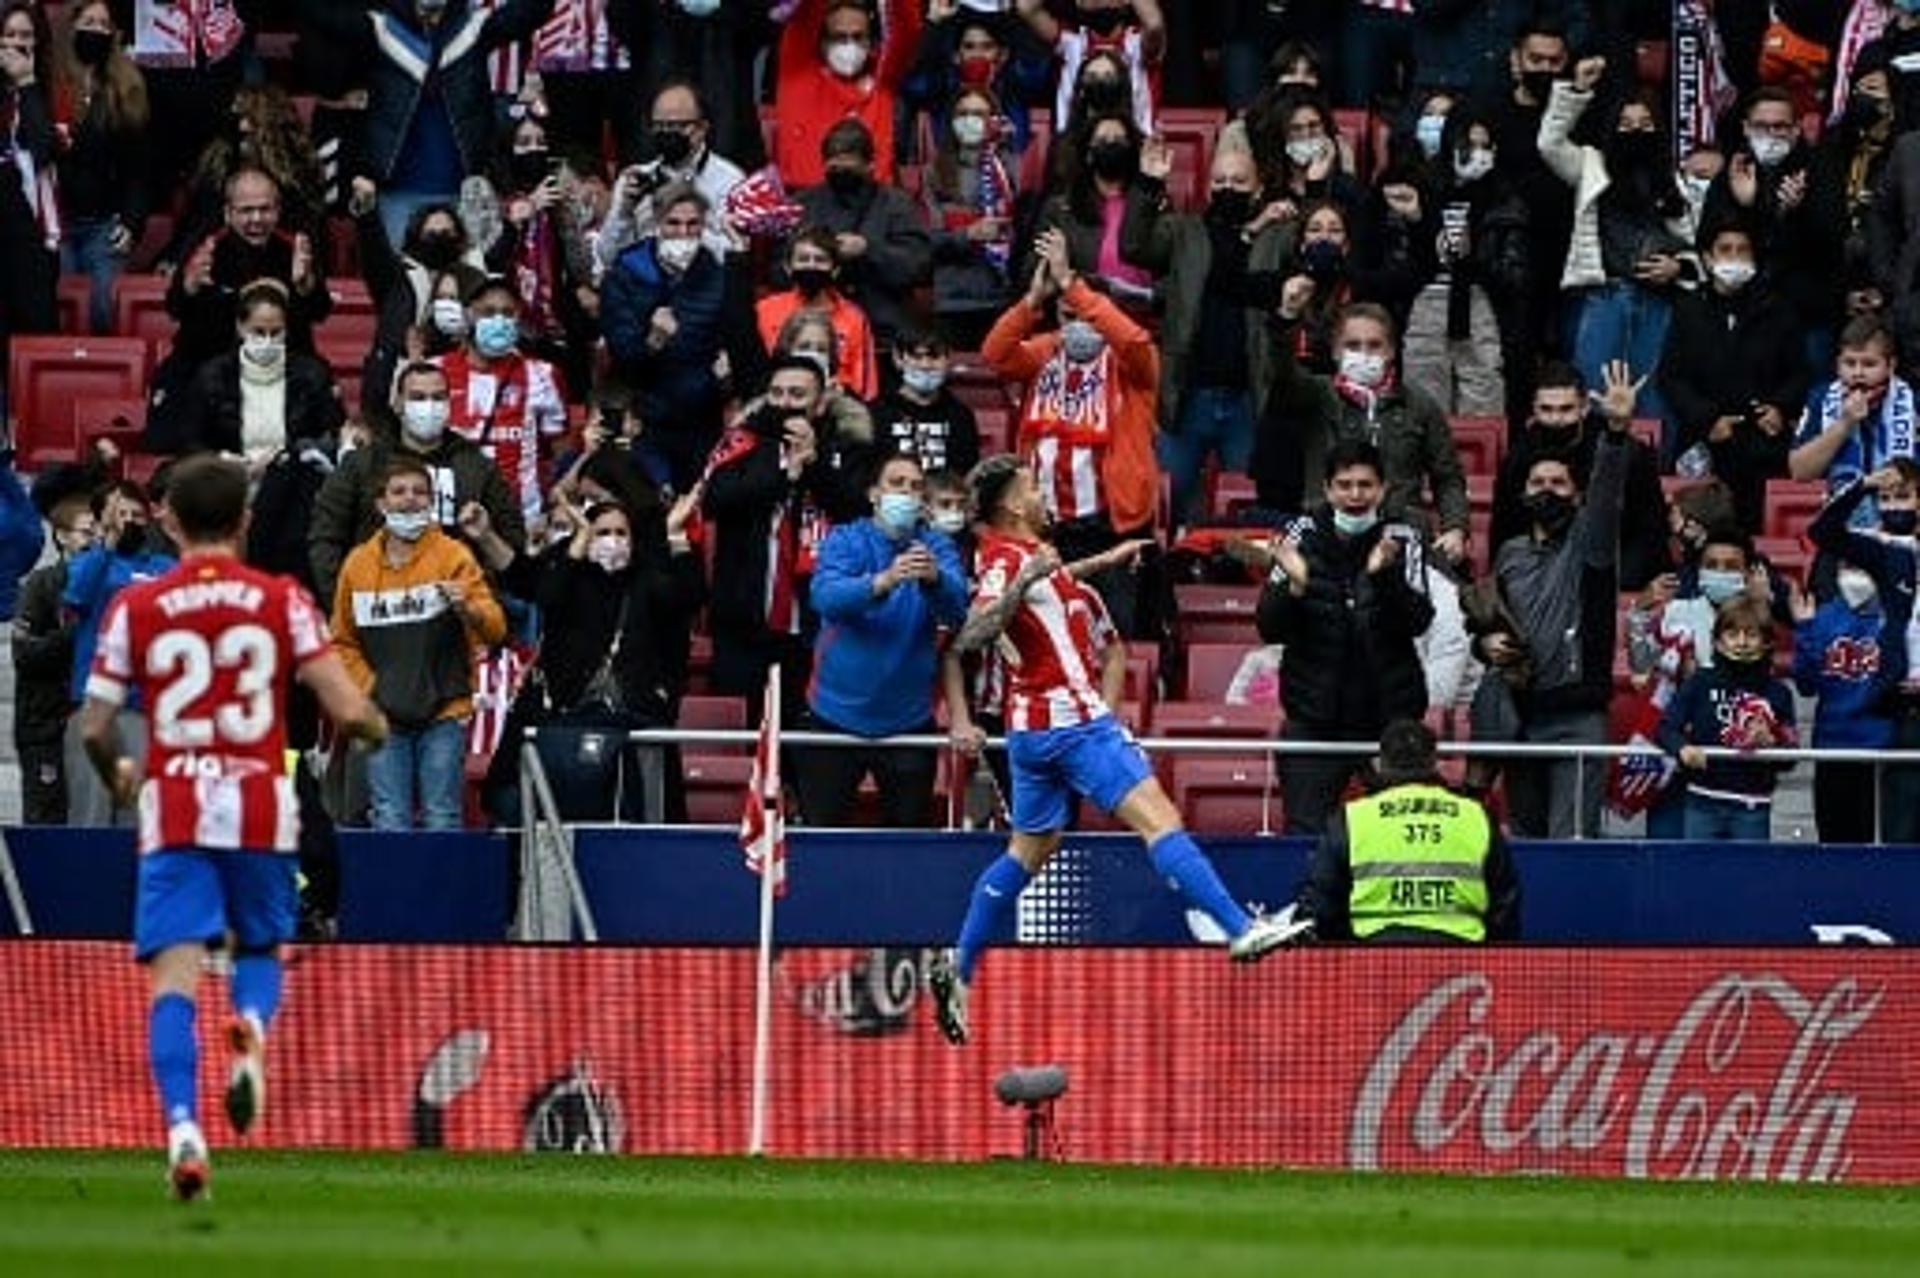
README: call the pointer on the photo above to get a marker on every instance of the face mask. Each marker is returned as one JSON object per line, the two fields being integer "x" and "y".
{"x": 847, "y": 183}
{"x": 1899, "y": 523}
{"x": 437, "y": 252}
{"x": 1102, "y": 94}
{"x": 1694, "y": 187}
{"x": 611, "y": 551}
{"x": 1353, "y": 525}
{"x": 1856, "y": 587}
{"x": 91, "y": 48}
{"x": 1767, "y": 149}
{"x": 529, "y": 168}
{"x": 1864, "y": 113}
{"x": 898, "y": 513}
{"x": 1427, "y": 132}
{"x": 847, "y": 58}
{"x": 1551, "y": 511}
{"x": 1229, "y": 207}
{"x": 950, "y": 522}
{"x": 969, "y": 130}
{"x": 1323, "y": 260}
{"x": 449, "y": 317}
{"x": 132, "y": 540}
{"x": 408, "y": 525}
{"x": 672, "y": 146}
{"x": 1744, "y": 665}
{"x": 1733, "y": 275}
{"x": 976, "y": 71}
{"x": 262, "y": 351}
{"x": 1081, "y": 341}
{"x": 1363, "y": 368}
{"x": 424, "y": 420}
{"x": 1474, "y": 164}
{"x": 1718, "y": 585}
{"x": 1636, "y": 147}
{"x": 678, "y": 255}
{"x": 699, "y": 8}
{"x": 1114, "y": 161}
{"x": 812, "y": 280}
{"x": 923, "y": 381}
{"x": 1302, "y": 152}
{"x": 496, "y": 335}
{"x": 1538, "y": 84}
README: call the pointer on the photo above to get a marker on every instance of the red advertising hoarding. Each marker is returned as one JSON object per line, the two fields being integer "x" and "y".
{"x": 1789, "y": 1065}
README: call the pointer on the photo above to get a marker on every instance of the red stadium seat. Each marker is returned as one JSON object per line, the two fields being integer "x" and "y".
{"x": 1210, "y": 670}
{"x": 1480, "y": 494}
{"x": 1790, "y": 556}
{"x": 1236, "y": 795}
{"x": 995, "y": 423}
{"x": 140, "y": 310}
{"x": 710, "y": 713}
{"x": 47, "y": 373}
{"x": 120, "y": 419}
{"x": 1216, "y": 614}
{"x": 75, "y": 293}
{"x": 715, "y": 784}
{"x": 1671, "y": 485}
{"x": 1143, "y": 673}
{"x": 1213, "y": 720}
{"x": 1231, "y": 491}
{"x": 1481, "y": 443}
{"x": 1351, "y": 124}
{"x": 1649, "y": 431}
{"x": 1792, "y": 504}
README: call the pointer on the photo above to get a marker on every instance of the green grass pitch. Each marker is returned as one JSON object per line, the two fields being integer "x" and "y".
{"x": 276, "y": 1215}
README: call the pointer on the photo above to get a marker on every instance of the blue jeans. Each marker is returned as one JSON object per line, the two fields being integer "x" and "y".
{"x": 427, "y": 765}
{"x": 1212, "y": 421}
{"x": 85, "y": 251}
{"x": 1622, "y": 321}
{"x": 1719, "y": 820}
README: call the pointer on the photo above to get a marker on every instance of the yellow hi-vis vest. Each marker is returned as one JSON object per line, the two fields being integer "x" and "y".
{"x": 1418, "y": 854}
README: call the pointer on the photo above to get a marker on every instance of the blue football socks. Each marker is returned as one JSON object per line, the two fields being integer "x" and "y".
{"x": 256, "y": 985}
{"x": 994, "y": 894}
{"x": 175, "y": 1055}
{"x": 1179, "y": 860}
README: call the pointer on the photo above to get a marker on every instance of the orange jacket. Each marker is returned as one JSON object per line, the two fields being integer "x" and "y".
{"x": 810, "y": 99}
{"x": 859, "y": 370}
{"x": 1130, "y": 473}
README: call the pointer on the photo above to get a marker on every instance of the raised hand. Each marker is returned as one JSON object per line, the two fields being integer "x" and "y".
{"x": 1587, "y": 73}
{"x": 1743, "y": 180}
{"x": 302, "y": 268}
{"x": 1156, "y": 159}
{"x": 681, "y": 513}
{"x": 1619, "y": 393}
{"x": 1294, "y": 296}
{"x": 475, "y": 522}
{"x": 1385, "y": 554}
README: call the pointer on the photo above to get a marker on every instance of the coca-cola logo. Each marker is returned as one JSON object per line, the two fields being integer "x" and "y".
{"x": 1742, "y": 1084}
{"x": 872, "y": 997}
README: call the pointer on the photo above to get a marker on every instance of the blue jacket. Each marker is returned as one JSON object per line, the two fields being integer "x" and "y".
{"x": 675, "y": 386}
{"x": 1890, "y": 563}
{"x": 875, "y": 662}
{"x": 1700, "y": 714}
{"x": 1836, "y": 658}
{"x": 21, "y": 535}
{"x": 1866, "y": 450}
{"x": 94, "y": 577}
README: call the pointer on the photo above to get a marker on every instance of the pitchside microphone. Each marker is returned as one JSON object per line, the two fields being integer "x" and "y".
{"x": 1031, "y": 1085}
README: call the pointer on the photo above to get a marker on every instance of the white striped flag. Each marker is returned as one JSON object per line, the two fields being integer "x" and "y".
{"x": 763, "y": 829}
{"x": 1702, "y": 89}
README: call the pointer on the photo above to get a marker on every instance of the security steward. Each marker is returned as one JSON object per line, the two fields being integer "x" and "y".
{"x": 1412, "y": 862}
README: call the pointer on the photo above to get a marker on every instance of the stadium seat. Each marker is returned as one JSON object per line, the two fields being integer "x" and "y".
{"x": 1670, "y": 485}
{"x": 1790, "y": 556}
{"x": 1351, "y": 124}
{"x": 1480, "y": 494}
{"x": 1143, "y": 673}
{"x": 1649, "y": 431}
{"x": 715, "y": 786}
{"x": 714, "y": 714}
{"x": 1032, "y": 176}
{"x": 74, "y": 293}
{"x": 47, "y": 373}
{"x": 122, "y": 420}
{"x": 1236, "y": 795}
{"x": 1211, "y": 719}
{"x": 995, "y": 423}
{"x": 1791, "y": 506}
{"x": 1216, "y": 614}
{"x": 1210, "y": 670}
{"x": 140, "y": 310}
{"x": 1231, "y": 491}
{"x": 1481, "y": 443}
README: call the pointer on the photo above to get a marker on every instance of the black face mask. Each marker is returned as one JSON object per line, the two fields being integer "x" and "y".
{"x": 132, "y": 540}
{"x": 529, "y": 169}
{"x": 1747, "y": 670}
{"x": 437, "y": 252}
{"x": 1103, "y": 95}
{"x": 1114, "y": 161}
{"x": 1899, "y": 523}
{"x": 1550, "y": 511}
{"x": 1538, "y": 84}
{"x": 1230, "y": 208}
{"x": 812, "y": 280}
{"x": 848, "y": 183}
{"x": 672, "y": 146}
{"x": 92, "y": 48}
{"x": 1323, "y": 260}
{"x": 1638, "y": 149}
{"x": 770, "y": 422}
{"x": 1865, "y": 113}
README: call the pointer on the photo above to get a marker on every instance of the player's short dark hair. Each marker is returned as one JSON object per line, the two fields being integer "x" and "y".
{"x": 990, "y": 481}
{"x": 1863, "y": 331}
{"x": 403, "y": 465}
{"x": 1543, "y": 28}
{"x": 850, "y": 138}
{"x": 419, "y": 368}
{"x": 1558, "y": 457}
{"x": 1557, "y": 374}
{"x": 1368, "y": 311}
{"x": 819, "y": 237}
{"x": 1408, "y": 750}
{"x": 921, "y": 339}
{"x": 1353, "y": 452}
{"x": 1730, "y": 535}
{"x": 885, "y": 460}
{"x": 942, "y": 479}
{"x": 208, "y": 495}
{"x": 801, "y": 362}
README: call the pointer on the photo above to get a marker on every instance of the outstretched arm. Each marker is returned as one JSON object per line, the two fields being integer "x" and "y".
{"x": 989, "y": 618}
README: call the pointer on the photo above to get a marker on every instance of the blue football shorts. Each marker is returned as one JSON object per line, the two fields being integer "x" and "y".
{"x": 1098, "y": 760}
{"x": 197, "y": 895}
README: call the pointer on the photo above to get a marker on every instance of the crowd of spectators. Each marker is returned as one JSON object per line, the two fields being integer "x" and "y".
{"x": 594, "y": 357}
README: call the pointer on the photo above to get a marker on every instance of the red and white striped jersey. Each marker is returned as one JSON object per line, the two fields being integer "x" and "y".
{"x": 579, "y": 37}
{"x": 1069, "y": 417}
{"x": 1052, "y": 645}
{"x": 210, "y": 647}
{"x": 511, "y": 409}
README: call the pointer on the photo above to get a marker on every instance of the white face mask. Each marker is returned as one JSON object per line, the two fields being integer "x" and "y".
{"x": 1082, "y": 342}
{"x": 424, "y": 420}
{"x": 1472, "y": 165}
{"x": 1363, "y": 368}
{"x": 969, "y": 130}
{"x": 1304, "y": 151}
{"x": 610, "y": 551}
{"x": 263, "y": 351}
{"x": 847, "y": 58}
{"x": 449, "y": 317}
{"x": 950, "y": 522}
{"x": 408, "y": 525}
{"x": 923, "y": 381}
{"x": 699, "y": 8}
{"x": 1427, "y": 131}
{"x": 1856, "y": 587}
{"x": 1733, "y": 275}
{"x": 678, "y": 255}
{"x": 1767, "y": 149}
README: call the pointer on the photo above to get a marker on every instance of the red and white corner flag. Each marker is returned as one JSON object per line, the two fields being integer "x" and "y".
{"x": 763, "y": 830}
